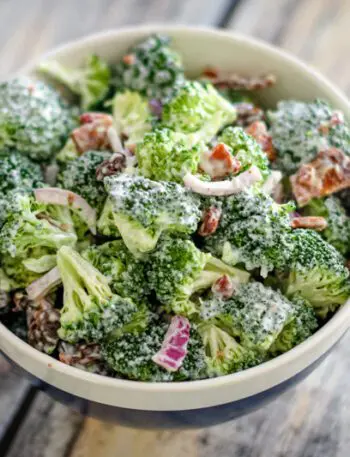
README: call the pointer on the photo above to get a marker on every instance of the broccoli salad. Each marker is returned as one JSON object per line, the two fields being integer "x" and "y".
{"x": 159, "y": 228}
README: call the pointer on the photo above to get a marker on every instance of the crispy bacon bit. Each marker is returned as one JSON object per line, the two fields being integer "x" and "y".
{"x": 101, "y": 118}
{"x": 238, "y": 82}
{"x": 210, "y": 72}
{"x": 109, "y": 167}
{"x": 211, "y": 219}
{"x": 247, "y": 113}
{"x": 258, "y": 130}
{"x": 174, "y": 347}
{"x": 129, "y": 59}
{"x": 224, "y": 287}
{"x": 309, "y": 222}
{"x": 329, "y": 172}
{"x": 92, "y": 136}
{"x": 219, "y": 162}
{"x": 336, "y": 119}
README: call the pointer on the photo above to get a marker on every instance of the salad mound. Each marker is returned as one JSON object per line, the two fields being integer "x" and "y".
{"x": 163, "y": 229}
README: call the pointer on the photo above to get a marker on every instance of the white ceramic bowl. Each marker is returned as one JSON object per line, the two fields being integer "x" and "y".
{"x": 212, "y": 400}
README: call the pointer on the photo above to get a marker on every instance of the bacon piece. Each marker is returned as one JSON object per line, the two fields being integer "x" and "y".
{"x": 247, "y": 113}
{"x": 211, "y": 219}
{"x": 309, "y": 222}
{"x": 174, "y": 347}
{"x": 101, "y": 118}
{"x": 224, "y": 287}
{"x": 219, "y": 162}
{"x": 111, "y": 166}
{"x": 328, "y": 173}
{"x": 93, "y": 132}
{"x": 258, "y": 131}
{"x": 129, "y": 59}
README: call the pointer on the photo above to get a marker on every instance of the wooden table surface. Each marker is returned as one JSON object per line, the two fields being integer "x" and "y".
{"x": 311, "y": 420}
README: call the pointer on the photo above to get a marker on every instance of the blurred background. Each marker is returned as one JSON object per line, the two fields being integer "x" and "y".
{"x": 311, "y": 420}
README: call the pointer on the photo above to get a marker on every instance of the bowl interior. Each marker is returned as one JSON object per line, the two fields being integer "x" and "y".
{"x": 199, "y": 48}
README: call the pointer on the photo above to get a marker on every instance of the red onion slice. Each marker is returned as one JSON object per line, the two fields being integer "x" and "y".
{"x": 221, "y": 188}
{"x": 57, "y": 196}
{"x": 174, "y": 347}
{"x": 42, "y": 286}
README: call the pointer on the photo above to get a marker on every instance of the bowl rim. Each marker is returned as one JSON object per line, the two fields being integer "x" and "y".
{"x": 156, "y": 396}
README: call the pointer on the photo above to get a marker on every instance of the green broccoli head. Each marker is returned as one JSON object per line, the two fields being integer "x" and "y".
{"x": 34, "y": 119}
{"x": 143, "y": 209}
{"x": 198, "y": 108}
{"x": 178, "y": 269}
{"x": 223, "y": 354}
{"x": 126, "y": 274}
{"x": 164, "y": 155}
{"x": 151, "y": 68}
{"x": 299, "y": 130}
{"x": 91, "y": 82}
{"x": 132, "y": 116}
{"x": 90, "y": 309}
{"x": 30, "y": 239}
{"x": 18, "y": 172}
{"x": 256, "y": 315}
{"x": 254, "y": 231}
{"x": 246, "y": 149}
{"x": 131, "y": 355}
{"x": 106, "y": 225}
{"x": 337, "y": 232}
{"x": 79, "y": 176}
{"x": 302, "y": 326}
{"x": 316, "y": 271}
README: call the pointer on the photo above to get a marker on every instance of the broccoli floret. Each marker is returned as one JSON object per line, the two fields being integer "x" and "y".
{"x": 255, "y": 315}
{"x": 178, "y": 269}
{"x": 337, "y": 232}
{"x": 143, "y": 209}
{"x": 34, "y": 119}
{"x": 223, "y": 354}
{"x": 200, "y": 109}
{"x": 151, "y": 68}
{"x": 253, "y": 231}
{"x": 301, "y": 327}
{"x": 67, "y": 153}
{"x": 106, "y": 225}
{"x": 299, "y": 130}
{"x": 131, "y": 355}
{"x": 246, "y": 149}
{"x": 316, "y": 271}
{"x": 126, "y": 275}
{"x": 29, "y": 239}
{"x": 164, "y": 155}
{"x": 90, "y": 309}
{"x": 18, "y": 172}
{"x": 91, "y": 82}
{"x": 79, "y": 176}
{"x": 132, "y": 116}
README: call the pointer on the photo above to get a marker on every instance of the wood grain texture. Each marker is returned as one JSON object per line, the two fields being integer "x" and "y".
{"x": 310, "y": 420}
{"x": 315, "y": 30}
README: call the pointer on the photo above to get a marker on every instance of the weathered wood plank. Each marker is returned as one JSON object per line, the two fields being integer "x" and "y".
{"x": 115, "y": 441}
{"x": 30, "y": 31}
{"x": 314, "y": 30}
{"x": 47, "y": 431}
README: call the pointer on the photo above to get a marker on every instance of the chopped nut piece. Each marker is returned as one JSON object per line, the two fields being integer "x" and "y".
{"x": 115, "y": 164}
{"x": 310, "y": 222}
{"x": 328, "y": 173}
{"x": 210, "y": 222}
{"x": 247, "y": 113}
{"x": 83, "y": 356}
{"x": 43, "y": 324}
